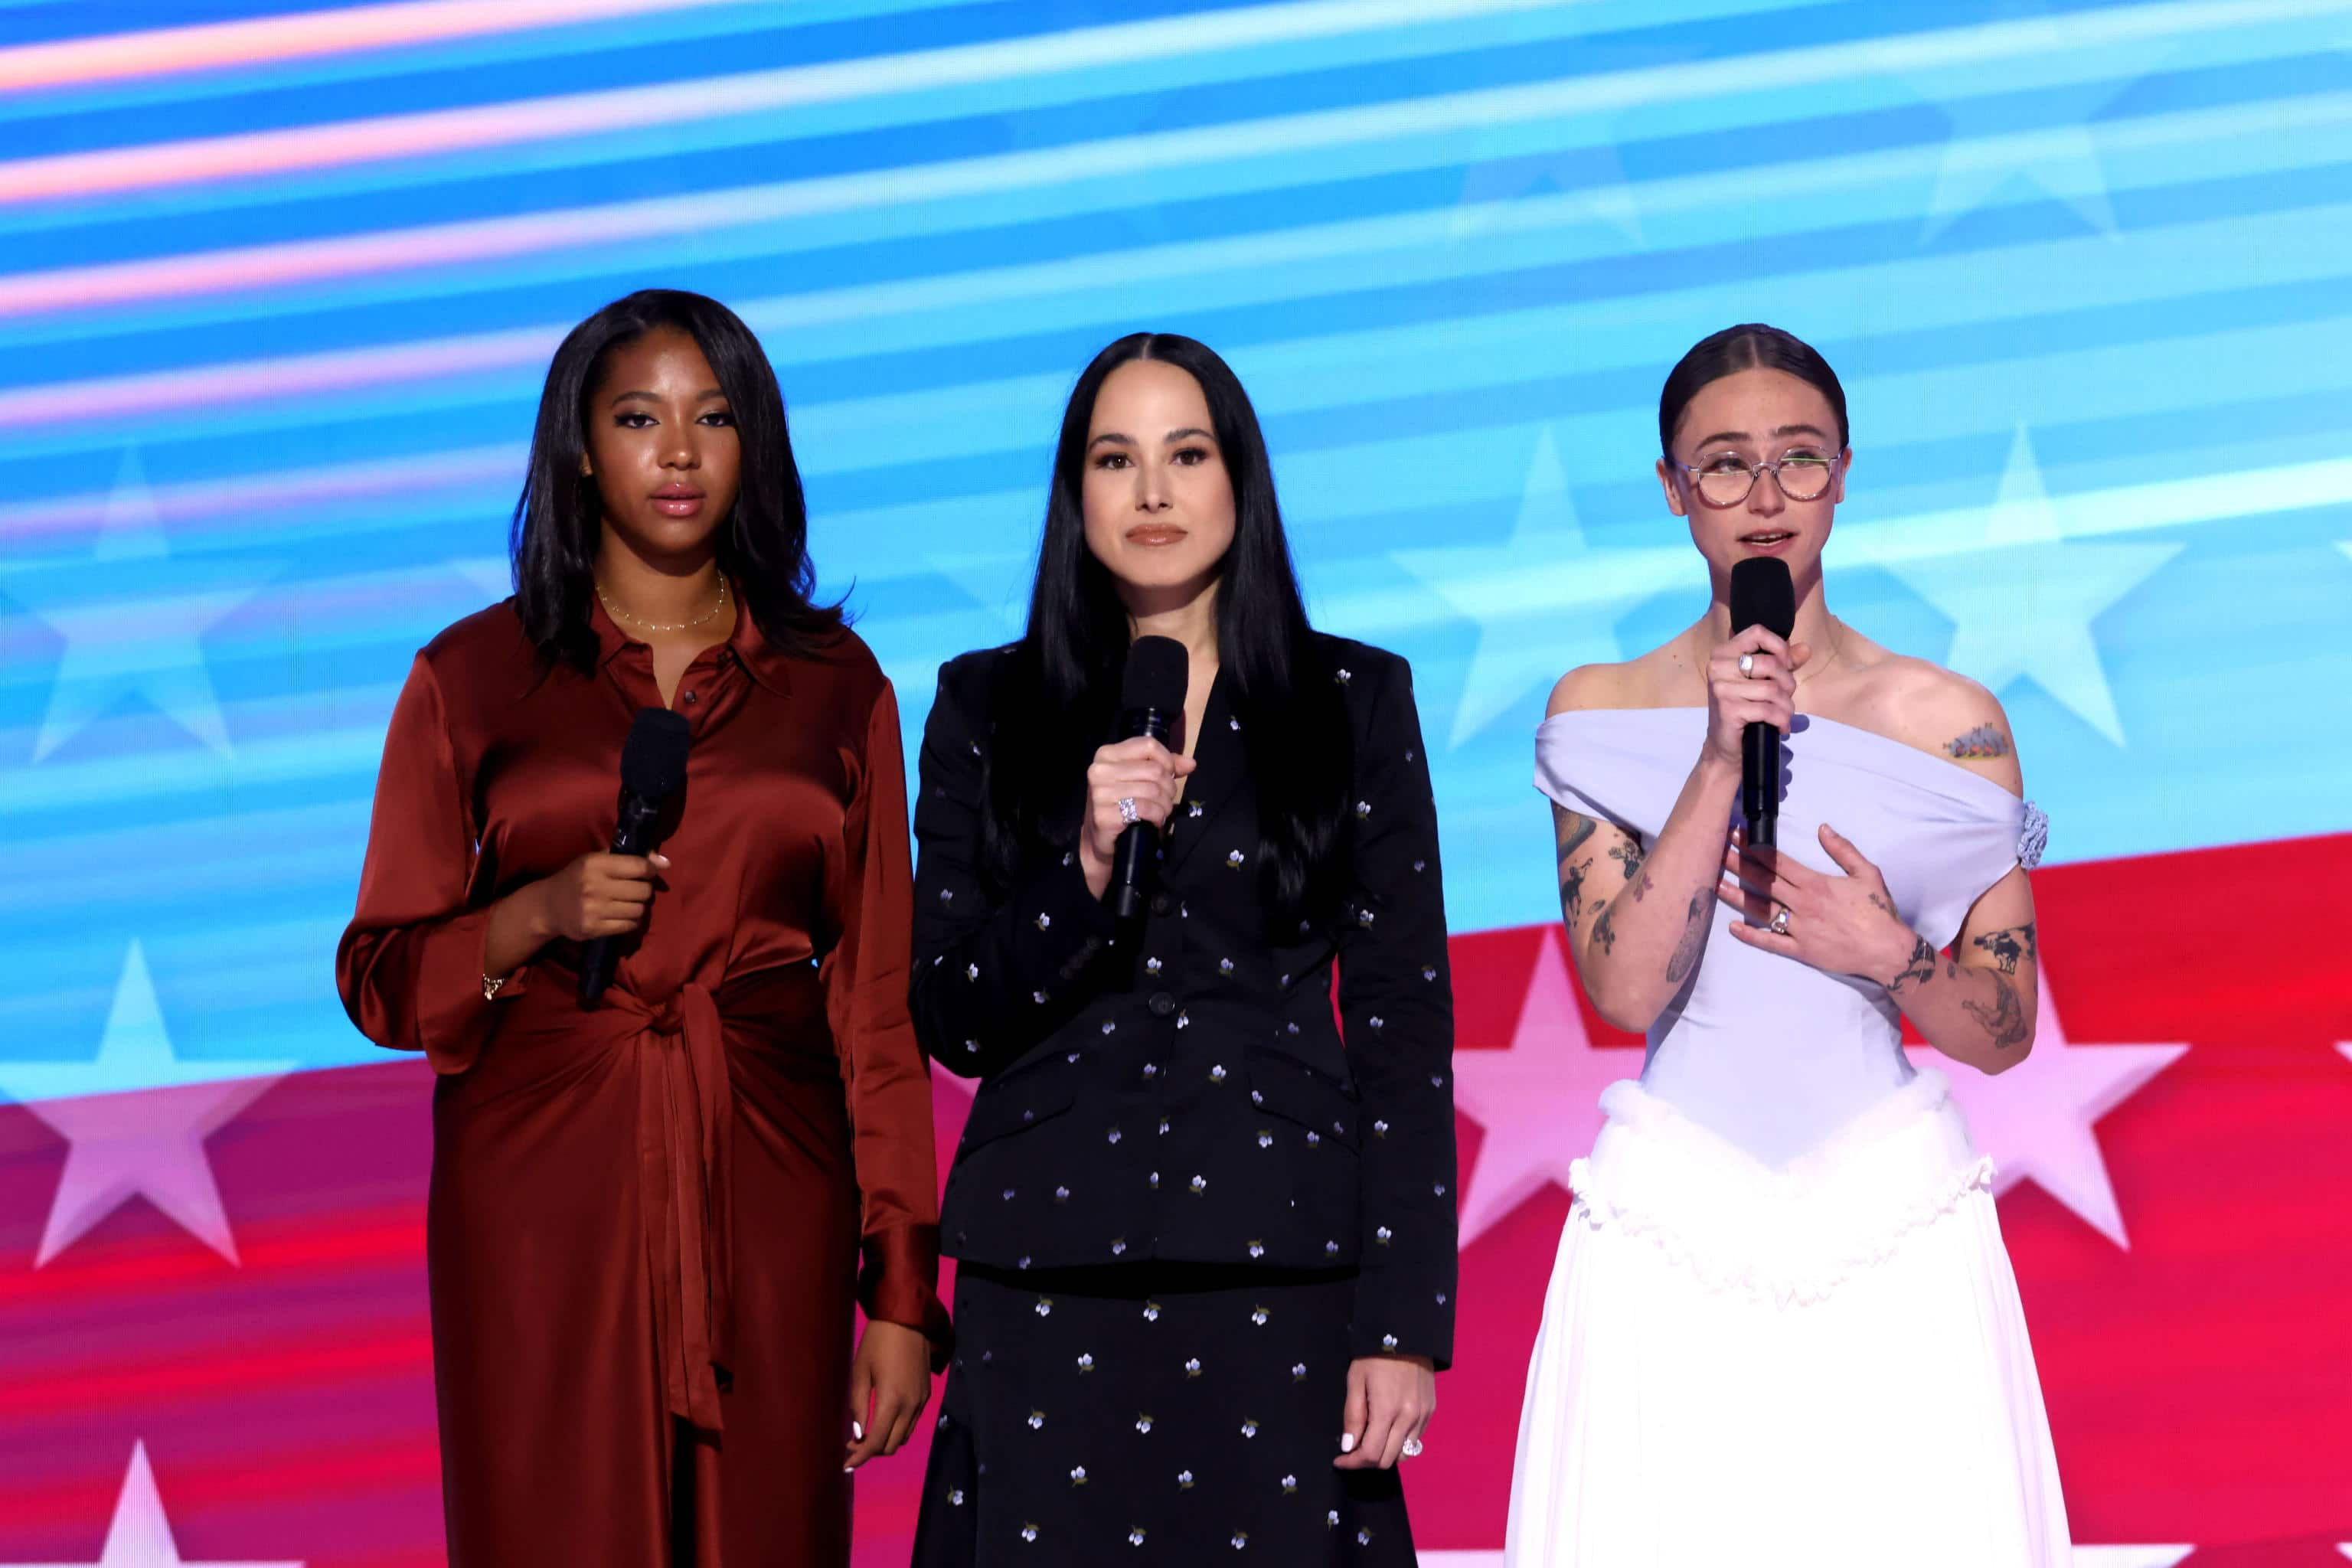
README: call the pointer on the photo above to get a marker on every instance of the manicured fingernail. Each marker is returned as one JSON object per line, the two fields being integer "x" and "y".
{"x": 1347, "y": 1442}
{"x": 857, "y": 1430}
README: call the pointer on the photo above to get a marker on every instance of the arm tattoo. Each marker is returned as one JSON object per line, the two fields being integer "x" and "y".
{"x": 2004, "y": 1019}
{"x": 1641, "y": 889}
{"x": 1604, "y": 930}
{"x": 1574, "y": 830}
{"x": 1921, "y": 967}
{"x": 1571, "y": 889}
{"x": 2008, "y": 946}
{"x": 1630, "y": 854}
{"x": 1983, "y": 743}
{"x": 1694, "y": 937}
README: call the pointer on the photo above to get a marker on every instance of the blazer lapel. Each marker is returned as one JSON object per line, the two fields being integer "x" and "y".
{"x": 1224, "y": 771}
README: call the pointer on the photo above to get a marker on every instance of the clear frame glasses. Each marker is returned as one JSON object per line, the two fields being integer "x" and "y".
{"x": 1725, "y": 478}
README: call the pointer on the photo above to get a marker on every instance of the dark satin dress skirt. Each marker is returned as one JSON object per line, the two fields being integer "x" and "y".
{"x": 1151, "y": 1414}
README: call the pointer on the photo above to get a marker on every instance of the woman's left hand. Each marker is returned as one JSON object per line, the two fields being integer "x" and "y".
{"x": 1846, "y": 925}
{"x": 888, "y": 1385}
{"x": 1390, "y": 1400}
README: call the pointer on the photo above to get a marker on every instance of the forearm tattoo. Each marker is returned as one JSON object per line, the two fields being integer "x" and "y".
{"x": 2004, "y": 1017}
{"x": 1630, "y": 854}
{"x": 1983, "y": 744}
{"x": 1694, "y": 937}
{"x": 1922, "y": 966}
{"x": 1574, "y": 830}
{"x": 1604, "y": 930}
{"x": 1641, "y": 889}
{"x": 1571, "y": 889}
{"x": 2008, "y": 946}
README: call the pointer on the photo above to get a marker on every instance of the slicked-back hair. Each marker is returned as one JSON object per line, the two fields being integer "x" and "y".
{"x": 1749, "y": 346}
{"x": 1057, "y": 698}
{"x": 762, "y": 541}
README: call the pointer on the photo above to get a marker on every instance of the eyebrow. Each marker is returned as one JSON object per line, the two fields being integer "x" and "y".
{"x": 709, "y": 395}
{"x": 1121, "y": 438}
{"x": 1737, "y": 436}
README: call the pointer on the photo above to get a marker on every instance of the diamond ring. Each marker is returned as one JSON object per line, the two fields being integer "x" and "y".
{"x": 1781, "y": 921}
{"x": 1746, "y": 665}
{"x": 1126, "y": 810}
{"x": 1412, "y": 1448}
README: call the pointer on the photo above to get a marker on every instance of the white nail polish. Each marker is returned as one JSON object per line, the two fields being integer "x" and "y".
{"x": 857, "y": 1430}
{"x": 1347, "y": 1442}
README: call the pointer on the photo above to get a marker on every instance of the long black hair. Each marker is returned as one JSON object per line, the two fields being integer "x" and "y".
{"x": 762, "y": 542}
{"x": 1749, "y": 346}
{"x": 1056, "y": 699}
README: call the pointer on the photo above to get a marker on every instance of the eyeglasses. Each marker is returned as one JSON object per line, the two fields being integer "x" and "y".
{"x": 1724, "y": 480}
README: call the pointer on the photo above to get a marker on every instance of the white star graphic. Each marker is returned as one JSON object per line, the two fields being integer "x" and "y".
{"x": 1538, "y": 1100}
{"x": 139, "y": 636}
{"x": 1587, "y": 182}
{"x": 1545, "y": 601}
{"x": 136, "y": 1119}
{"x": 139, "y": 1535}
{"x": 2059, "y": 155}
{"x": 2022, "y": 604}
{"x": 2035, "y": 1119}
{"x": 493, "y": 574}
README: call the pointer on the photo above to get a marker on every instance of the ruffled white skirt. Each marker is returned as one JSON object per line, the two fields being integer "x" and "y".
{"x": 1824, "y": 1364}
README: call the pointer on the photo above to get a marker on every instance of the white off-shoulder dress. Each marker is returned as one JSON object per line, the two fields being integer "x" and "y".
{"x": 1781, "y": 1327}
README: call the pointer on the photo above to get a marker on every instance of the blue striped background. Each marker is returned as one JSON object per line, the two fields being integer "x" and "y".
{"x": 2082, "y": 266}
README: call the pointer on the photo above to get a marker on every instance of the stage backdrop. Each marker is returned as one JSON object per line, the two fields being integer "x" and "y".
{"x": 277, "y": 286}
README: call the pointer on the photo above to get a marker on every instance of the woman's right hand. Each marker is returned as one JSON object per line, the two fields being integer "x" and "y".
{"x": 598, "y": 895}
{"x": 1767, "y": 695}
{"x": 1140, "y": 769}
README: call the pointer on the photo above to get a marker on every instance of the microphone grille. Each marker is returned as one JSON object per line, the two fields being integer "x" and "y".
{"x": 1763, "y": 596}
{"x": 653, "y": 761}
{"x": 1157, "y": 670}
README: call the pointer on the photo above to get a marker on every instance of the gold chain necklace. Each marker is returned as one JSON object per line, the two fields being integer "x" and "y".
{"x": 705, "y": 618}
{"x": 1835, "y": 649}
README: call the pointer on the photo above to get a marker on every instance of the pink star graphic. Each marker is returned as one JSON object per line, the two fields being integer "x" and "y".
{"x": 2035, "y": 1119}
{"x": 139, "y": 1535}
{"x": 146, "y": 1142}
{"x": 1537, "y": 1100}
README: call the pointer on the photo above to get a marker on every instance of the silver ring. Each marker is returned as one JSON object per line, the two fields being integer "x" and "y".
{"x": 1781, "y": 921}
{"x": 1126, "y": 810}
{"x": 1412, "y": 1448}
{"x": 1746, "y": 665}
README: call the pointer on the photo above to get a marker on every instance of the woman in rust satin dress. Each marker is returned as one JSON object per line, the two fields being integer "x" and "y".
{"x": 647, "y": 1220}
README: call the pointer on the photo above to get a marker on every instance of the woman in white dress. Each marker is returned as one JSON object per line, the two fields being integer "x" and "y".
{"x": 1781, "y": 1327}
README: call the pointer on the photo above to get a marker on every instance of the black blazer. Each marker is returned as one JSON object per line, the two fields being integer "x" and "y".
{"x": 1182, "y": 1091}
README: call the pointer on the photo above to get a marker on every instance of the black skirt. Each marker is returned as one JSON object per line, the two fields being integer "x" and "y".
{"x": 1152, "y": 1414}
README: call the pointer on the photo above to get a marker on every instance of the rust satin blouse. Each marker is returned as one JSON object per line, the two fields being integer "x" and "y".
{"x": 646, "y": 1219}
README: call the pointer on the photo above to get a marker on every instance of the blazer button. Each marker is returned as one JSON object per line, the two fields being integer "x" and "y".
{"x": 1161, "y": 903}
{"x": 1161, "y": 1004}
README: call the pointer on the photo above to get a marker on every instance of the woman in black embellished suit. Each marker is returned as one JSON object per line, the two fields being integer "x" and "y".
{"x": 1206, "y": 1229}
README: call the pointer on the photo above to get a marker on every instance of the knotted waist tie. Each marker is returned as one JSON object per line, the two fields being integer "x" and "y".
{"x": 685, "y": 1119}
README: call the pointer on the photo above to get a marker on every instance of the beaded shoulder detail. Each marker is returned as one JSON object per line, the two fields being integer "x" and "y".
{"x": 2032, "y": 835}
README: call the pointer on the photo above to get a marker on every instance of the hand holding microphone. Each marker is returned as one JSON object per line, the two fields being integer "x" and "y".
{"x": 1751, "y": 688}
{"x": 1132, "y": 785}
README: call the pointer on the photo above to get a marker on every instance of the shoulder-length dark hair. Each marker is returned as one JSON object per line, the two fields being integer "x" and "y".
{"x": 762, "y": 542}
{"x": 1057, "y": 697}
{"x": 1747, "y": 346}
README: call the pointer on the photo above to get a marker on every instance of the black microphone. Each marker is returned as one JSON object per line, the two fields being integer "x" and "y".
{"x": 653, "y": 765}
{"x": 1761, "y": 595}
{"x": 1150, "y": 700}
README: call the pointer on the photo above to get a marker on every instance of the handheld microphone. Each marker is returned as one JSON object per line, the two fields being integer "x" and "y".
{"x": 1150, "y": 700}
{"x": 1761, "y": 595}
{"x": 653, "y": 765}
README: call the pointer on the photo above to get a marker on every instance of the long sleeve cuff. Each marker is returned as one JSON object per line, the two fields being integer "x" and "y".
{"x": 900, "y": 1284}
{"x": 1407, "y": 1312}
{"x": 453, "y": 1016}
